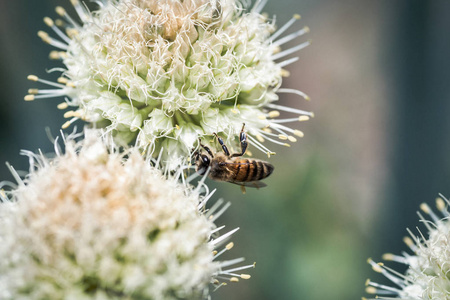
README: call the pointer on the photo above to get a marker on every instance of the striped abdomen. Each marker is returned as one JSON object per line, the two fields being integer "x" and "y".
{"x": 246, "y": 170}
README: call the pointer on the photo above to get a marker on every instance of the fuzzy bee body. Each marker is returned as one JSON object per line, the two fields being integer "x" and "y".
{"x": 232, "y": 167}
{"x": 238, "y": 170}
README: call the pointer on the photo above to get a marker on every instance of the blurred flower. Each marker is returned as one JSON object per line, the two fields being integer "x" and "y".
{"x": 165, "y": 73}
{"x": 96, "y": 224}
{"x": 428, "y": 271}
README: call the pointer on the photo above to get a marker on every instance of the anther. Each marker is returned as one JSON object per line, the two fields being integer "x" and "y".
{"x": 298, "y": 133}
{"x": 259, "y": 138}
{"x": 245, "y": 276}
{"x": 59, "y": 22}
{"x": 425, "y": 208}
{"x": 66, "y": 125}
{"x": 234, "y": 279}
{"x": 297, "y": 16}
{"x": 367, "y": 282}
{"x": 303, "y": 118}
{"x": 29, "y": 98}
{"x": 286, "y": 144}
{"x": 54, "y": 55}
{"x": 33, "y": 91}
{"x": 262, "y": 117}
{"x": 440, "y": 204}
{"x": 408, "y": 241}
{"x": 49, "y": 22}
{"x": 282, "y": 137}
{"x": 229, "y": 246}
{"x": 388, "y": 256}
{"x": 371, "y": 290}
{"x": 62, "y": 80}
{"x": 292, "y": 139}
{"x": 234, "y": 111}
{"x": 62, "y": 105}
{"x": 60, "y": 11}
{"x": 32, "y": 77}
{"x": 214, "y": 252}
{"x": 285, "y": 73}
{"x": 274, "y": 114}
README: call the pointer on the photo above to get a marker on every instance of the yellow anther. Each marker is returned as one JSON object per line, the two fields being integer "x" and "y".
{"x": 234, "y": 279}
{"x": 377, "y": 267}
{"x": 74, "y": 2}
{"x": 62, "y": 105}
{"x": 245, "y": 276}
{"x": 70, "y": 84}
{"x": 276, "y": 49}
{"x": 2, "y": 192}
{"x": 312, "y": 115}
{"x": 367, "y": 282}
{"x": 298, "y": 133}
{"x": 306, "y": 29}
{"x": 62, "y": 80}
{"x": 229, "y": 246}
{"x": 60, "y": 11}
{"x": 425, "y": 208}
{"x": 282, "y": 137}
{"x": 408, "y": 241}
{"x": 66, "y": 125}
{"x": 234, "y": 111}
{"x": 274, "y": 114}
{"x": 371, "y": 290}
{"x": 285, "y": 73}
{"x": 59, "y": 22}
{"x": 297, "y": 16}
{"x": 33, "y": 91}
{"x": 214, "y": 252}
{"x": 29, "y": 98}
{"x": 292, "y": 139}
{"x": 54, "y": 55}
{"x": 388, "y": 256}
{"x": 286, "y": 144}
{"x": 32, "y": 77}
{"x": 42, "y": 34}
{"x": 71, "y": 32}
{"x": 49, "y": 22}
{"x": 249, "y": 153}
{"x": 216, "y": 281}
{"x": 440, "y": 204}
{"x": 307, "y": 98}
{"x": 178, "y": 127}
{"x": 259, "y": 138}
{"x": 69, "y": 114}
{"x": 267, "y": 129}
{"x": 303, "y": 118}
{"x": 262, "y": 117}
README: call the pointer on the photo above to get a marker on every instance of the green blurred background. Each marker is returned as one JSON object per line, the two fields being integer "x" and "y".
{"x": 378, "y": 73}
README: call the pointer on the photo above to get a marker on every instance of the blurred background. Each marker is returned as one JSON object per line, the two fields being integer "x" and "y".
{"x": 378, "y": 74}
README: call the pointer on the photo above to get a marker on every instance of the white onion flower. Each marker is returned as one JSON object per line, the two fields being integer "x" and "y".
{"x": 428, "y": 273}
{"x": 162, "y": 74}
{"x": 96, "y": 224}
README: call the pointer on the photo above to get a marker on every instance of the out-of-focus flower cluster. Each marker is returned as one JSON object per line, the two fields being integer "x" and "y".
{"x": 427, "y": 276}
{"x": 97, "y": 224}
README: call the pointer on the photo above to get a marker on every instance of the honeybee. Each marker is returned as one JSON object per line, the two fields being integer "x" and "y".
{"x": 232, "y": 167}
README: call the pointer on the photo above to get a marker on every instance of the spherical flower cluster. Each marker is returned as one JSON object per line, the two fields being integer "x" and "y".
{"x": 162, "y": 74}
{"x": 427, "y": 276}
{"x": 96, "y": 224}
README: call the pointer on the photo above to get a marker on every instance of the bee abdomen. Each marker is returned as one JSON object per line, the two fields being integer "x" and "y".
{"x": 252, "y": 170}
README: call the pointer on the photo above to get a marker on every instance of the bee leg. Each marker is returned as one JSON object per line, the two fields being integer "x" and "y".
{"x": 243, "y": 190}
{"x": 206, "y": 148}
{"x": 224, "y": 147}
{"x": 243, "y": 140}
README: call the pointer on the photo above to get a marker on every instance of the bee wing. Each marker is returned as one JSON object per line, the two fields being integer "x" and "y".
{"x": 252, "y": 184}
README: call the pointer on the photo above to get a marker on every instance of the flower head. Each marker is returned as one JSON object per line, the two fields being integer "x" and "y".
{"x": 427, "y": 276}
{"x": 90, "y": 224}
{"x": 164, "y": 73}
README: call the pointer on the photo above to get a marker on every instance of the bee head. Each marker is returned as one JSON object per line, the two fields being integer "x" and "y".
{"x": 203, "y": 162}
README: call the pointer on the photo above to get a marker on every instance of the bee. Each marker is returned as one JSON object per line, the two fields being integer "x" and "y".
{"x": 232, "y": 167}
